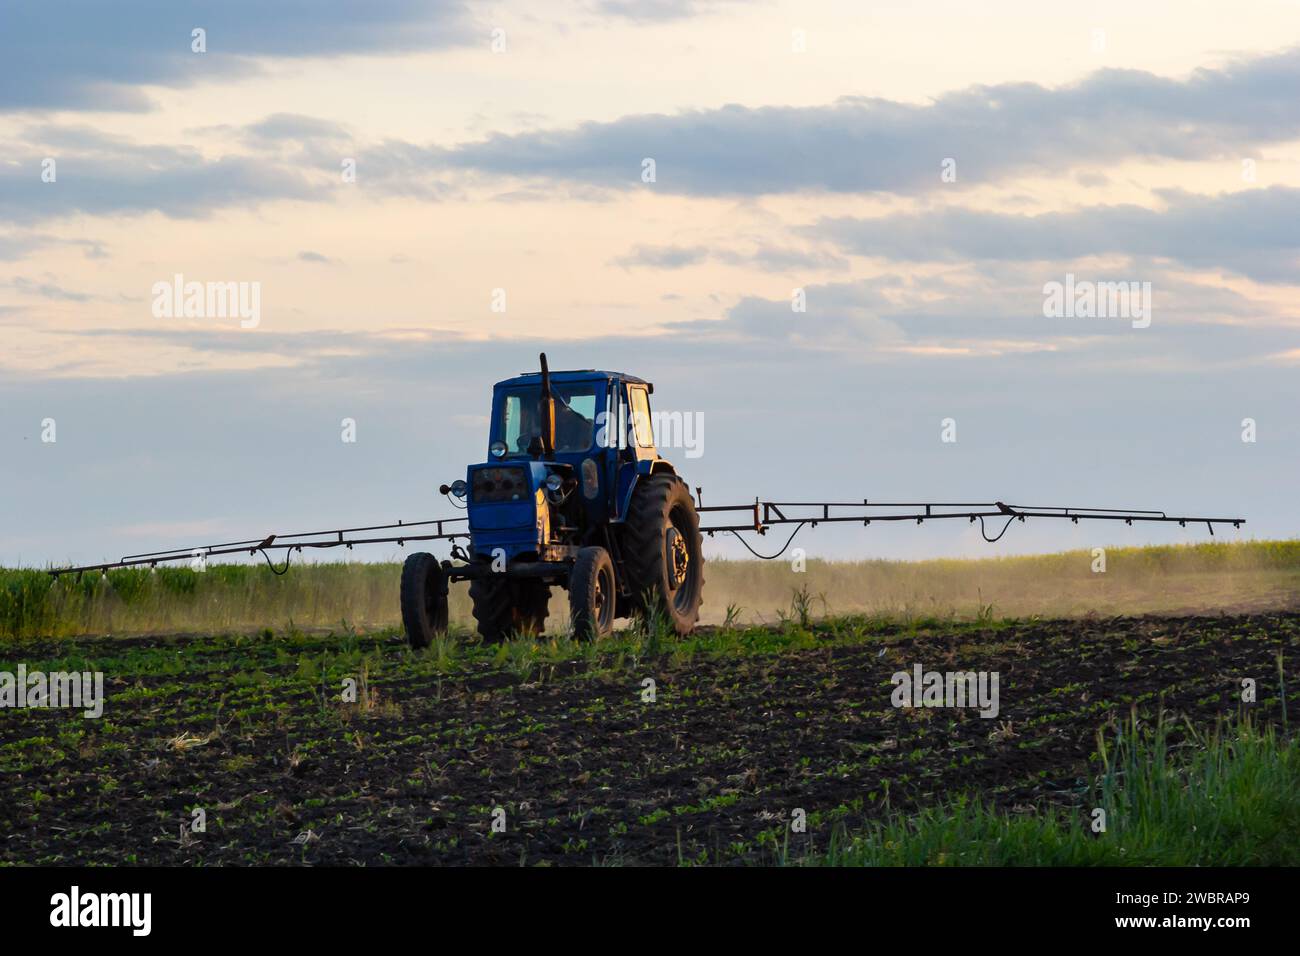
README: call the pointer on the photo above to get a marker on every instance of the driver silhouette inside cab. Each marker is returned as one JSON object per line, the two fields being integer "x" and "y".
{"x": 573, "y": 430}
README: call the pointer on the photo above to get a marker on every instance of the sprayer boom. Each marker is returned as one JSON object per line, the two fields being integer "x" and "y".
{"x": 756, "y": 516}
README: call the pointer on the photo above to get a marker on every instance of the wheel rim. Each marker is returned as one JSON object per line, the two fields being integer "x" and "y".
{"x": 601, "y": 604}
{"x": 679, "y": 559}
{"x": 682, "y": 569}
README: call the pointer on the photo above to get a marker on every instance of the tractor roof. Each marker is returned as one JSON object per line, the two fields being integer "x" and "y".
{"x": 572, "y": 375}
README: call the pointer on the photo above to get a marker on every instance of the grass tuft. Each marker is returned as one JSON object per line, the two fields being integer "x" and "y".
{"x": 1171, "y": 797}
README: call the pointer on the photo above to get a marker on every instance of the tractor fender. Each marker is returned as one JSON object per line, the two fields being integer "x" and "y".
{"x": 628, "y": 476}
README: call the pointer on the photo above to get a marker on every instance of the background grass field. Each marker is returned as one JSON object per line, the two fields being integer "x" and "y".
{"x": 1255, "y": 575}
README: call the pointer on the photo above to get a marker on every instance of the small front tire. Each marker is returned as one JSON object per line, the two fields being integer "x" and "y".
{"x": 424, "y": 599}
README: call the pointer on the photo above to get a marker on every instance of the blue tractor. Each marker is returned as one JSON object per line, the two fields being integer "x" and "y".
{"x": 573, "y": 495}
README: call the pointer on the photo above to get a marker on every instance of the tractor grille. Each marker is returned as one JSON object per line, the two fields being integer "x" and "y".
{"x": 500, "y": 484}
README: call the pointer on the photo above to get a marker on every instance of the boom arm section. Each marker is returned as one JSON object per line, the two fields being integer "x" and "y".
{"x": 400, "y": 533}
{"x": 761, "y": 515}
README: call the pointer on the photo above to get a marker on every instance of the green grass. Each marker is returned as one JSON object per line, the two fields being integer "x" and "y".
{"x": 1227, "y": 797}
{"x": 1255, "y": 575}
{"x": 226, "y": 597}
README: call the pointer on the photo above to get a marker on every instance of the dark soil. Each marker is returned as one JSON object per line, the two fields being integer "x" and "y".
{"x": 253, "y": 732}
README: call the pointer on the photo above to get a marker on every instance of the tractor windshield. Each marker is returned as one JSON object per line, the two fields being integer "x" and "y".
{"x": 575, "y": 417}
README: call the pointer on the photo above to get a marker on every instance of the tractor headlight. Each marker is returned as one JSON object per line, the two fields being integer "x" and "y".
{"x": 458, "y": 488}
{"x": 498, "y": 449}
{"x": 553, "y": 483}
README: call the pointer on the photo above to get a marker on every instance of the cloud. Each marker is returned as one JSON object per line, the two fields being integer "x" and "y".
{"x": 91, "y": 55}
{"x": 295, "y": 127}
{"x": 99, "y": 174}
{"x": 314, "y": 257}
{"x": 19, "y": 244}
{"x": 663, "y": 257}
{"x": 861, "y": 144}
{"x": 764, "y": 256}
{"x": 786, "y": 259}
{"x": 996, "y": 310}
{"x": 1254, "y": 232}
{"x": 282, "y": 157}
{"x": 49, "y": 289}
{"x": 658, "y": 10}
{"x": 841, "y": 317}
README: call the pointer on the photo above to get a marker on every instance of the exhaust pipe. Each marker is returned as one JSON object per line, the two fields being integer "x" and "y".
{"x": 547, "y": 412}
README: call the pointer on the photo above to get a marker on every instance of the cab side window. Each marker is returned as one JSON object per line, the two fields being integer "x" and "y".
{"x": 641, "y": 416}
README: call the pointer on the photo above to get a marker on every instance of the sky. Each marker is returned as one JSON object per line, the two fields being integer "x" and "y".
{"x": 826, "y": 231}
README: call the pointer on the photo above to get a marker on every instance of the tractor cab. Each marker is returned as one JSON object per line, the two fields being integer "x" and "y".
{"x": 566, "y": 452}
{"x": 594, "y": 412}
{"x": 579, "y": 404}
{"x": 574, "y": 494}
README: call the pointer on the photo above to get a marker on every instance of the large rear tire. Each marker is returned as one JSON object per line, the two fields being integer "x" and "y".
{"x": 504, "y": 607}
{"x": 424, "y": 599}
{"x": 592, "y": 594}
{"x": 662, "y": 550}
